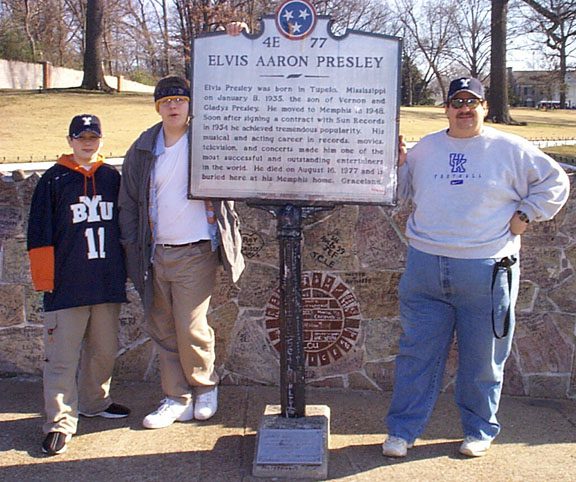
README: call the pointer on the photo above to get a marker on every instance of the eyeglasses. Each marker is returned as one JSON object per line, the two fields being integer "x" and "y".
{"x": 173, "y": 100}
{"x": 471, "y": 103}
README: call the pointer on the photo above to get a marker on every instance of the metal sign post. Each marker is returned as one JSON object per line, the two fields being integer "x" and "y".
{"x": 292, "y": 370}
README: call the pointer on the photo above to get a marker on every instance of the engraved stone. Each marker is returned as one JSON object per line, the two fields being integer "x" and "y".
{"x": 257, "y": 283}
{"x": 8, "y": 192}
{"x": 22, "y": 350}
{"x": 11, "y": 304}
{"x": 10, "y": 222}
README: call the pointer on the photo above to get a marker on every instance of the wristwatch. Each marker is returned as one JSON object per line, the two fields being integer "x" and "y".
{"x": 522, "y": 216}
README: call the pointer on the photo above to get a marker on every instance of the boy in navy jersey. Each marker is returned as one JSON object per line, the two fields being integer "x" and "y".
{"x": 77, "y": 261}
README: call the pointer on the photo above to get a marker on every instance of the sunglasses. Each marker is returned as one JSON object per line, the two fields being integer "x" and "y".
{"x": 470, "y": 103}
{"x": 173, "y": 100}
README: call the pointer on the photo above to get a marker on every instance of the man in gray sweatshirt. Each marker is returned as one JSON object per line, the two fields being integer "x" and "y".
{"x": 474, "y": 191}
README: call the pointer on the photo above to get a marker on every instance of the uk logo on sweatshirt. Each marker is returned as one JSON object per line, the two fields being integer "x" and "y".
{"x": 457, "y": 161}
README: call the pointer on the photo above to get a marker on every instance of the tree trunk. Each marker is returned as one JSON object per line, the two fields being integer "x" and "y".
{"x": 167, "y": 65}
{"x": 563, "y": 74}
{"x": 498, "y": 95}
{"x": 93, "y": 72}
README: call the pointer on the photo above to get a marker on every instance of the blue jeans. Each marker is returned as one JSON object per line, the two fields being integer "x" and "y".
{"x": 440, "y": 295}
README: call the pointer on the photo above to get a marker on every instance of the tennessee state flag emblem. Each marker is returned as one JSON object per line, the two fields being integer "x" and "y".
{"x": 296, "y": 19}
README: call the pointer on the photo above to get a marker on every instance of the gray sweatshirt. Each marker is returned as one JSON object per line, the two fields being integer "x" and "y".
{"x": 465, "y": 191}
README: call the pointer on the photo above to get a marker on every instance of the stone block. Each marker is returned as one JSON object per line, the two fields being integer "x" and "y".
{"x": 257, "y": 285}
{"x": 572, "y": 387}
{"x": 377, "y": 241}
{"x": 548, "y": 386}
{"x": 570, "y": 254}
{"x": 377, "y": 292}
{"x": 330, "y": 382}
{"x": 224, "y": 290}
{"x": 8, "y": 192}
{"x": 132, "y": 324}
{"x": 11, "y": 304}
{"x": 22, "y": 350}
{"x": 554, "y": 356}
{"x": 514, "y": 383}
{"x": 33, "y": 305}
{"x": 543, "y": 266}
{"x": 222, "y": 320}
{"x": 359, "y": 381}
{"x": 381, "y": 374}
{"x": 251, "y": 356}
{"x": 26, "y": 190}
{"x": 545, "y": 234}
{"x": 137, "y": 363}
{"x": 16, "y": 266}
{"x": 563, "y": 296}
{"x": 11, "y": 222}
{"x": 350, "y": 361}
{"x": 329, "y": 245}
{"x": 259, "y": 245}
{"x": 526, "y": 296}
{"x": 255, "y": 219}
{"x": 382, "y": 337}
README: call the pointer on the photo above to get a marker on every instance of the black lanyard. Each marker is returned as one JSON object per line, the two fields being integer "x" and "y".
{"x": 503, "y": 264}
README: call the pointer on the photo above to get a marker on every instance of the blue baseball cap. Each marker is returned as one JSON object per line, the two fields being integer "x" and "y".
{"x": 466, "y": 84}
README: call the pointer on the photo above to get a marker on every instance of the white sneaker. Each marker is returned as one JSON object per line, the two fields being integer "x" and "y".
{"x": 395, "y": 447}
{"x": 206, "y": 404}
{"x": 475, "y": 447}
{"x": 167, "y": 413}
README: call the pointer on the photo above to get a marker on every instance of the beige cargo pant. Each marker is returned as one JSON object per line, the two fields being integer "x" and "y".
{"x": 80, "y": 347}
{"x": 184, "y": 278}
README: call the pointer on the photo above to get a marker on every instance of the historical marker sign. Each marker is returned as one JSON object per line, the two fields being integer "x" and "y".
{"x": 295, "y": 113}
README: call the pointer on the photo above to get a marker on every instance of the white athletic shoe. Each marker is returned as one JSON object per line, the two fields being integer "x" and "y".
{"x": 395, "y": 447}
{"x": 475, "y": 447}
{"x": 206, "y": 404}
{"x": 167, "y": 413}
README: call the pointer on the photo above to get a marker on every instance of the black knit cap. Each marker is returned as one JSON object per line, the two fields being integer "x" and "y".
{"x": 171, "y": 86}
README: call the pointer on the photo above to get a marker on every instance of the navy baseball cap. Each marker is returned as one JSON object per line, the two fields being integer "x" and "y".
{"x": 466, "y": 84}
{"x": 84, "y": 123}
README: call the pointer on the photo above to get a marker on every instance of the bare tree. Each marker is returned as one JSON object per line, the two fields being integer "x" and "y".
{"x": 432, "y": 28}
{"x": 472, "y": 26}
{"x": 364, "y": 15}
{"x": 556, "y": 19}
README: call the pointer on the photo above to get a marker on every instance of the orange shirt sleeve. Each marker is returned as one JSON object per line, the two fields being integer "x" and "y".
{"x": 42, "y": 268}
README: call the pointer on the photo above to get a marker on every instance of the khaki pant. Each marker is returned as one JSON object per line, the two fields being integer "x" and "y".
{"x": 184, "y": 279}
{"x": 85, "y": 337}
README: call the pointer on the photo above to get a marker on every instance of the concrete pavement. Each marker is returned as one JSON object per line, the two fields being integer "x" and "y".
{"x": 538, "y": 440}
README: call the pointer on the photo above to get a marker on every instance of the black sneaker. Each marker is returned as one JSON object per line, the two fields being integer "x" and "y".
{"x": 114, "y": 410}
{"x": 55, "y": 443}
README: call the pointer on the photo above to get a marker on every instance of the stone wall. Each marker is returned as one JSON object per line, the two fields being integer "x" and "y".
{"x": 352, "y": 259}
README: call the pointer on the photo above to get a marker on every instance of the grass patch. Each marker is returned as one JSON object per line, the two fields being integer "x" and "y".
{"x": 33, "y": 126}
{"x": 415, "y": 122}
